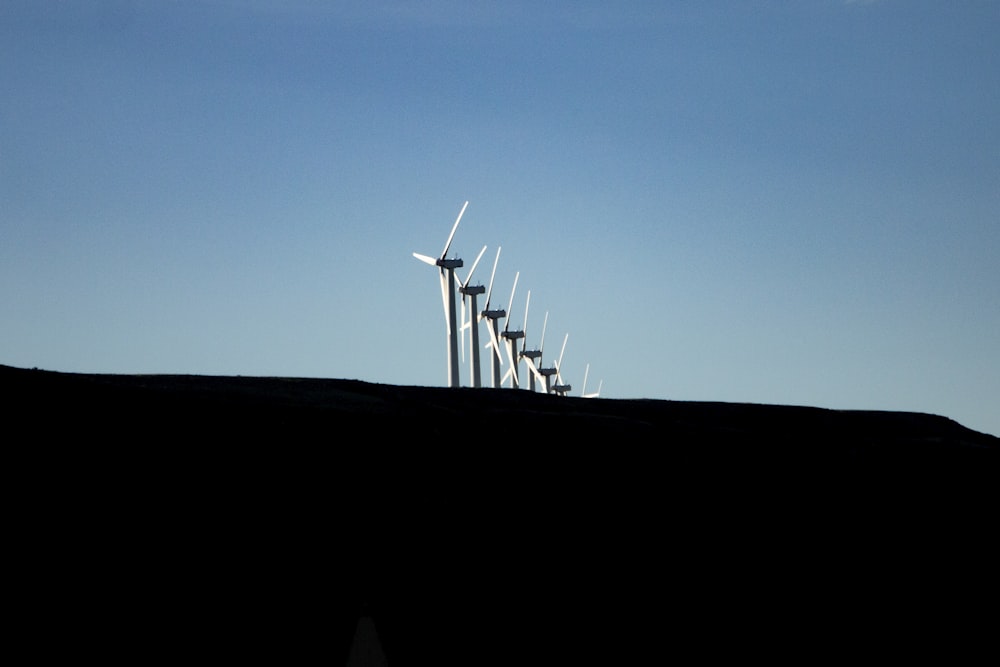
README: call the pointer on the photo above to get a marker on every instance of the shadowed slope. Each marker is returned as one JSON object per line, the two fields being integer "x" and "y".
{"x": 261, "y": 517}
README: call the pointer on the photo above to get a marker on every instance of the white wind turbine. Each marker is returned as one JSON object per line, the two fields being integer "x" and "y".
{"x": 584, "y": 393}
{"x": 446, "y": 269}
{"x": 473, "y": 322}
{"x": 561, "y": 388}
{"x": 511, "y": 337}
{"x": 491, "y": 325}
{"x": 525, "y": 353}
{"x": 530, "y": 356}
{"x": 545, "y": 374}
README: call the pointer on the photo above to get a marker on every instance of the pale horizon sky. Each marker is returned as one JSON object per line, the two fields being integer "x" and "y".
{"x": 768, "y": 202}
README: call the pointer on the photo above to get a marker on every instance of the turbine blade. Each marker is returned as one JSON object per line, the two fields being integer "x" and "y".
{"x": 534, "y": 369}
{"x": 496, "y": 351}
{"x": 545, "y": 323}
{"x": 447, "y": 245}
{"x": 583, "y": 391}
{"x": 524, "y": 327}
{"x": 464, "y": 317}
{"x": 493, "y": 342}
{"x": 468, "y": 278}
{"x": 444, "y": 300}
{"x": 510, "y": 356}
{"x": 506, "y": 323}
{"x": 462, "y": 331}
{"x": 492, "y": 276}
{"x": 561, "y": 353}
{"x": 425, "y": 259}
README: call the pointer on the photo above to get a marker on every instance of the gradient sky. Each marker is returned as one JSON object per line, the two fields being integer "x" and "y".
{"x": 750, "y": 201}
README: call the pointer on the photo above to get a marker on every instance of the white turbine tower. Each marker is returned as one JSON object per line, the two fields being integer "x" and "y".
{"x": 584, "y": 393}
{"x": 491, "y": 324}
{"x": 446, "y": 269}
{"x": 511, "y": 337}
{"x": 473, "y": 322}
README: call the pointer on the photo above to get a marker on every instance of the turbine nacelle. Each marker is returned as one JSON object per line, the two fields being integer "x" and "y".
{"x": 450, "y": 263}
{"x": 475, "y": 289}
{"x": 494, "y": 314}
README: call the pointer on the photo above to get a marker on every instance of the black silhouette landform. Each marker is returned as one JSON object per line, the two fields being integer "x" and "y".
{"x": 227, "y": 518}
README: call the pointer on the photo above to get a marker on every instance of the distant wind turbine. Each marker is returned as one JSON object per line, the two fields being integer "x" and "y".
{"x": 561, "y": 388}
{"x": 473, "y": 322}
{"x": 446, "y": 269}
{"x": 511, "y": 337}
{"x": 491, "y": 317}
{"x": 531, "y": 357}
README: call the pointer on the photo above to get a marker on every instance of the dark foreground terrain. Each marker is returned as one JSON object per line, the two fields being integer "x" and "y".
{"x": 230, "y": 518}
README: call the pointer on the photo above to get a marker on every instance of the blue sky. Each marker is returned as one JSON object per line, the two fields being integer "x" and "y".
{"x": 767, "y": 202}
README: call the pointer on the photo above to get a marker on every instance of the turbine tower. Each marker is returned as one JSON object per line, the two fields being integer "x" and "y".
{"x": 511, "y": 337}
{"x": 473, "y": 322}
{"x": 491, "y": 325}
{"x": 446, "y": 270}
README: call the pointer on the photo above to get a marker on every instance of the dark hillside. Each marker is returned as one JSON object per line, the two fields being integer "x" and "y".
{"x": 234, "y": 518}
{"x": 203, "y": 406}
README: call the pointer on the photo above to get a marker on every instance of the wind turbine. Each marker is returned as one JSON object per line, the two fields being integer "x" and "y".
{"x": 511, "y": 337}
{"x": 446, "y": 269}
{"x": 473, "y": 322}
{"x": 561, "y": 388}
{"x": 545, "y": 374}
{"x": 492, "y": 316}
{"x": 584, "y": 393}
{"x": 530, "y": 356}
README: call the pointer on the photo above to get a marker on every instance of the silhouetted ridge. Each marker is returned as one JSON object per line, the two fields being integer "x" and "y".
{"x": 258, "y": 518}
{"x": 113, "y": 403}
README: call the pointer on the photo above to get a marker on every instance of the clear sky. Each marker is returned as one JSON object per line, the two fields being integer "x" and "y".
{"x": 753, "y": 201}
